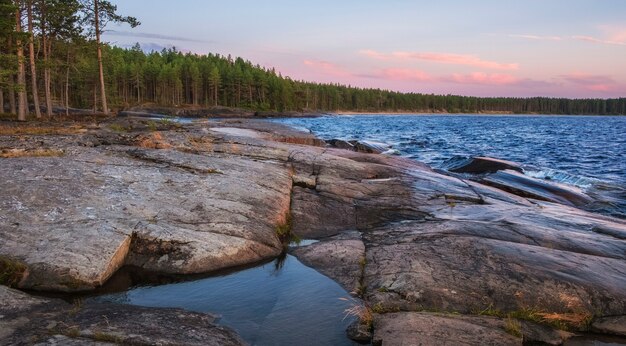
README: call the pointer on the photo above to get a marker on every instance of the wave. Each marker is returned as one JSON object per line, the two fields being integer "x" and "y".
{"x": 562, "y": 177}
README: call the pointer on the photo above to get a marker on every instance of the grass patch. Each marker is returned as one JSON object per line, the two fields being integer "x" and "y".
{"x": 170, "y": 123}
{"x": 13, "y": 117}
{"x": 513, "y": 327}
{"x": 152, "y": 126}
{"x": 72, "y": 283}
{"x": 379, "y": 308}
{"x": 16, "y": 153}
{"x": 101, "y": 336}
{"x": 118, "y": 128}
{"x": 361, "y": 289}
{"x": 563, "y": 321}
{"x": 77, "y": 305}
{"x": 39, "y": 130}
{"x": 11, "y": 271}
{"x": 362, "y": 262}
{"x": 71, "y": 332}
{"x": 153, "y": 141}
{"x": 283, "y": 230}
{"x": 361, "y": 311}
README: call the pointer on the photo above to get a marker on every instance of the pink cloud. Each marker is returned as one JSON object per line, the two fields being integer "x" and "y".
{"x": 328, "y": 68}
{"x": 614, "y": 33}
{"x": 443, "y": 58}
{"x": 483, "y": 78}
{"x": 600, "y": 87}
{"x": 587, "y": 79}
{"x": 405, "y": 74}
{"x": 612, "y": 36}
{"x": 593, "y": 82}
{"x": 375, "y": 55}
{"x": 495, "y": 80}
{"x": 538, "y": 38}
{"x": 597, "y": 40}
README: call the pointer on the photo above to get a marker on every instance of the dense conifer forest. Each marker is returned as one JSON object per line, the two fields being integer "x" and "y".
{"x": 51, "y": 58}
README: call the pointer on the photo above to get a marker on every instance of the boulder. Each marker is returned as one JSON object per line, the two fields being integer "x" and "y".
{"x": 359, "y": 332}
{"x": 29, "y": 320}
{"x": 610, "y": 325}
{"x": 481, "y": 165}
{"x": 525, "y": 186}
{"x": 340, "y": 144}
{"x": 412, "y": 328}
{"x": 370, "y": 147}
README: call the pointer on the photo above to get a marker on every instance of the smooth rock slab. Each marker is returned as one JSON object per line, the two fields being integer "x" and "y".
{"x": 471, "y": 266}
{"x": 610, "y": 325}
{"x": 340, "y": 258}
{"x": 526, "y": 186}
{"x": 481, "y": 165}
{"x": 411, "y": 328}
{"x": 53, "y": 322}
{"x": 75, "y": 220}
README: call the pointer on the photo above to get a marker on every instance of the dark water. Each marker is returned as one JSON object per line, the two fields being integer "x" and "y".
{"x": 586, "y": 151}
{"x": 278, "y": 303}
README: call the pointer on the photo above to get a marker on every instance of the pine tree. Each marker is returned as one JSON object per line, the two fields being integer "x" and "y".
{"x": 22, "y": 104}
{"x": 31, "y": 54}
{"x": 98, "y": 13}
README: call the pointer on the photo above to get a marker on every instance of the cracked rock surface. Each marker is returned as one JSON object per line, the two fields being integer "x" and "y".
{"x": 418, "y": 246}
{"x": 26, "y": 320}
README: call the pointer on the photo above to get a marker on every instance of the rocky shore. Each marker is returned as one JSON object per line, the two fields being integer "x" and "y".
{"x": 436, "y": 259}
{"x": 210, "y": 112}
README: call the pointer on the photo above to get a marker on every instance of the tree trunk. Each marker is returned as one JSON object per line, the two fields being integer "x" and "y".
{"x": 21, "y": 72}
{"x": 67, "y": 89}
{"x": 103, "y": 96}
{"x": 138, "y": 90}
{"x": 11, "y": 82}
{"x": 47, "y": 49}
{"x": 11, "y": 94}
{"x": 95, "y": 98}
{"x": 47, "y": 78}
{"x": 31, "y": 52}
{"x": 215, "y": 94}
{"x": 1, "y": 100}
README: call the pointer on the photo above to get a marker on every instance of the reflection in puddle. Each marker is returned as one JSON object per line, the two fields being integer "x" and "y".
{"x": 277, "y": 303}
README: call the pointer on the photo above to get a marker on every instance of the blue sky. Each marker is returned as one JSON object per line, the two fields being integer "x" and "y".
{"x": 571, "y": 48}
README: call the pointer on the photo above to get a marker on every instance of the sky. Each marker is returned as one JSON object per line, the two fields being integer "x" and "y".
{"x": 519, "y": 48}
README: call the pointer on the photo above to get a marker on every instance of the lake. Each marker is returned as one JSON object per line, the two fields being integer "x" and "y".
{"x": 585, "y": 151}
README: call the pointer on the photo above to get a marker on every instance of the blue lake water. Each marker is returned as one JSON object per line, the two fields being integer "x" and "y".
{"x": 277, "y": 303}
{"x": 585, "y": 151}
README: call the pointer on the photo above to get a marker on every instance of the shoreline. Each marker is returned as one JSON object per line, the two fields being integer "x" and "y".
{"x": 342, "y": 113}
{"x": 139, "y": 193}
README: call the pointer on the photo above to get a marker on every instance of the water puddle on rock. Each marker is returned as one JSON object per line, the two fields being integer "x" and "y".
{"x": 278, "y": 303}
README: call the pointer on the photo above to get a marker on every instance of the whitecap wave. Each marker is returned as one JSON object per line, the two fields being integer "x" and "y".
{"x": 562, "y": 177}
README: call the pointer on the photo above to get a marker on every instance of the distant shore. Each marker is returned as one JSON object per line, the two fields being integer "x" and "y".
{"x": 422, "y": 113}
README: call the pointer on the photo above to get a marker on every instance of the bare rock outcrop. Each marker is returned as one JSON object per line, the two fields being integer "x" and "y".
{"x": 207, "y": 196}
{"x": 75, "y": 219}
{"x": 26, "y": 320}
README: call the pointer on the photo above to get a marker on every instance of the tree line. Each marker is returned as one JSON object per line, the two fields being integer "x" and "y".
{"x": 51, "y": 57}
{"x": 54, "y": 33}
